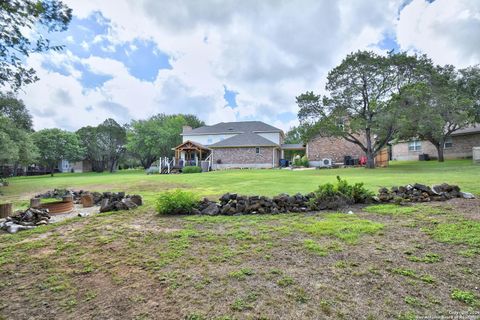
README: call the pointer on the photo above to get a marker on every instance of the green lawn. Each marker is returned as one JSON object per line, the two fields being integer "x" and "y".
{"x": 263, "y": 182}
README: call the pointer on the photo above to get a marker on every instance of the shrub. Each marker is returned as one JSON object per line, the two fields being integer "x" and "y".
{"x": 192, "y": 169}
{"x": 330, "y": 196}
{"x": 304, "y": 161}
{"x": 152, "y": 170}
{"x": 300, "y": 161}
{"x": 176, "y": 202}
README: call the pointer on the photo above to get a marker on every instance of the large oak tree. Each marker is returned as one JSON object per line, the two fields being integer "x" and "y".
{"x": 358, "y": 106}
{"x": 444, "y": 103}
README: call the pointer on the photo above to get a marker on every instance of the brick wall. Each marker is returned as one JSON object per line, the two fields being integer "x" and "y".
{"x": 461, "y": 148}
{"x": 334, "y": 148}
{"x": 245, "y": 157}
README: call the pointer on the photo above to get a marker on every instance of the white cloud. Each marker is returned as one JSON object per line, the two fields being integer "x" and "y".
{"x": 447, "y": 31}
{"x": 267, "y": 51}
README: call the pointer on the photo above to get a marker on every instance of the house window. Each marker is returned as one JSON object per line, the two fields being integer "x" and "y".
{"x": 414, "y": 145}
{"x": 448, "y": 143}
{"x": 257, "y": 150}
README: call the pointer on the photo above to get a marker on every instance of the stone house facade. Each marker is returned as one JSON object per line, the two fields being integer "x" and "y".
{"x": 459, "y": 146}
{"x": 233, "y": 145}
{"x": 245, "y": 157}
{"x": 321, "y": 147}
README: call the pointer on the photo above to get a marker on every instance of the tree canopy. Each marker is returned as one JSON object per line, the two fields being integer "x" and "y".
{"x": 16, "y": 144}
{"x": 55, "y": 145}
{"x": 16, "y": 111}
{"x": 104, "y": 144}
{"x": 294, "y": 135}
{"x": 358, "y": 105}
{"x": 152, "y": 138}
{"x": 439, "y": 106}
{"x": 23, "y": 24}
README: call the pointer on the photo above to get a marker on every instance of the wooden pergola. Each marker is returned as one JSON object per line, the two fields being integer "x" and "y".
{"x": 190, "y": 147}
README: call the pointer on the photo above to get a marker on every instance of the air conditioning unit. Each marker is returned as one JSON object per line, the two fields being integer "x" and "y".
{"x": 326, "y": 163}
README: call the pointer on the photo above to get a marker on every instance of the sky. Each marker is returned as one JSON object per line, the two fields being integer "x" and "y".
{"x": 227, "y": 60}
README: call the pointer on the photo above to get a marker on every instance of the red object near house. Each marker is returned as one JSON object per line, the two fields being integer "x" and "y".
{"x": 363, "y": 160}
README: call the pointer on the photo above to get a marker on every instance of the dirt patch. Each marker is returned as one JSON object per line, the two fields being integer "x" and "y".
{"x": 468, "y": 208}
{"x": 139, "y": 265}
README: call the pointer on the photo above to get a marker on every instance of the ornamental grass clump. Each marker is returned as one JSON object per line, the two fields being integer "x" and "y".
{"x": 177, "y": 202}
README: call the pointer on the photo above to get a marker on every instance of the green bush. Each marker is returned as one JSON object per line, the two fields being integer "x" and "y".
{"x": 300, "y": 161}
{"x": 304, "y": 161}
{"x": 192, "y": 169}
{"x": 177, "y": 202}
{"x": 357, "y": 192}
{"x": 330, "y": 196}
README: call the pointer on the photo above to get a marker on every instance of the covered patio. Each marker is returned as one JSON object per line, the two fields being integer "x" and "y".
{"x": 191, "y": 153}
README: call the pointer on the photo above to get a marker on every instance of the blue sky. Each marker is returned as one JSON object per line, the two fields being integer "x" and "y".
{"x": 130, "y": 60}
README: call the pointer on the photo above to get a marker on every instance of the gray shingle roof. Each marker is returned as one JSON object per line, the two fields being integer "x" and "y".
{"x": 244, "y": 140}
{"x": 468, "y": 130}
{"x": 293, "y": 146}
{"x": 234, "y": 127}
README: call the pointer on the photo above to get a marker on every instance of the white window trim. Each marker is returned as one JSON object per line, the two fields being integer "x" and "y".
{"x": 415, "y": 145}
{"x": 449, "y": 141}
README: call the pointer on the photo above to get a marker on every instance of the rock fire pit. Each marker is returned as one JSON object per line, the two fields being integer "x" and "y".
{"x": 58, "y": 207}
{"x": 71, "y": 203}
{"x": 107, "y": 201}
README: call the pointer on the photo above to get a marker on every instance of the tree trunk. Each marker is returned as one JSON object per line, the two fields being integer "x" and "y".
{"x": 52, "y": 169}
{"x": 370, "y": 156}
{"x": 440, "y": 150}
{"x": 370, "y": 160}
{"x": 112, "y": 165}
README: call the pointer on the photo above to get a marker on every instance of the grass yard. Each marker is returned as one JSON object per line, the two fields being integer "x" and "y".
{"x": 262, "y": 182}
{"x": 383, "y": 262}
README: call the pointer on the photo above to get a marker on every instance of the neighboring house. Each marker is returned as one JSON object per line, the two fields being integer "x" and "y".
{"x": 77, "y": 167}
{"x": 245, "y": 144}
{"x": 458, "y": 146}
{"x": 336, "y": 149}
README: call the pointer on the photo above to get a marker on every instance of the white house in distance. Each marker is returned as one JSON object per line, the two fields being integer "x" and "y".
{"x": 245, "y": 144}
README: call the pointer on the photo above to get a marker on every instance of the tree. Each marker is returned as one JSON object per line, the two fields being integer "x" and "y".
{"x": 16, "y": 127}
{"x": 155, "y": 137}
{"x": 111, "y": 138}
{"x": 22, "y": 23}
{"x": 358, "y": 107}
{"x": 15, "y": 110}
{"x": 17, "y": 147}
{"x": 9, "y": 152}
{"x": 56, "y": 145}
{"x": 94, "y": 153}
{"x": 294, "y": 135}
{"x": 470, "y": 82}
{"x": 436, "y": 108}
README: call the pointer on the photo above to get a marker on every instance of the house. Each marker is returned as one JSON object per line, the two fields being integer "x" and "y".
{"x": 78, "y": 166}
{"x": 459, "y": 145}
{"x": 226, "y": 145}
{"x": 325, "y": 147}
